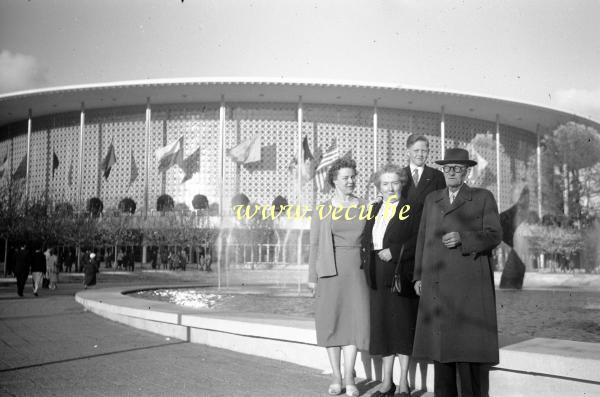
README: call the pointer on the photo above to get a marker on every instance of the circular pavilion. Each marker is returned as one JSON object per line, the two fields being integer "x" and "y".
{"x": 60, "y": 137}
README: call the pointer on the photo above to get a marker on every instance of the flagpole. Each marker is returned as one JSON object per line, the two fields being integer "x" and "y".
{"x": 28, "y": 156}
{"x": 80, "y": 176}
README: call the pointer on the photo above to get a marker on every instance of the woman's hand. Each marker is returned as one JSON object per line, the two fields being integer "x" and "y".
{"x": 385, "y": 255}
{"x": 418, "y": 287}
{"x": 376, "y": 200}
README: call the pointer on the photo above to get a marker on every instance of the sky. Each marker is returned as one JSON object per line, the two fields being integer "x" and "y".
{"x": 545, "y": 52}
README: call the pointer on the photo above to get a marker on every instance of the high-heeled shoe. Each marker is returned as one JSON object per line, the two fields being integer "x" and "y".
{"x": 352, "y": 391}
{"x": 334, "y": 389}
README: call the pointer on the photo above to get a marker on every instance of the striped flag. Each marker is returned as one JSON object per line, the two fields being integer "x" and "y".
{"x": 308, "y": 168}
{"x": 170, "y": 155}
{"x": 246, "y": 152}
{"x": 330, "y": 155}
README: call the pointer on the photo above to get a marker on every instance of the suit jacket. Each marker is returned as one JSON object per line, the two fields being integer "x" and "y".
{"x": 430, "y": 181}
{"x": 398, "y": 233}
{"x": 457, "y": 309}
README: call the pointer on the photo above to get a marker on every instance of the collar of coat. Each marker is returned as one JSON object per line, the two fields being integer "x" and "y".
{"x": 464, "y": 194}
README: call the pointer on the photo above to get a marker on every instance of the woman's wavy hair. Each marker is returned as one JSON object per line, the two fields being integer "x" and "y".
{"x": 336, "y": 166}
{"x": 390, "y": 169}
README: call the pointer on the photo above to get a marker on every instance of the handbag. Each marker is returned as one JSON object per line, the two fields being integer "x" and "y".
{"x": 396, "y": 287}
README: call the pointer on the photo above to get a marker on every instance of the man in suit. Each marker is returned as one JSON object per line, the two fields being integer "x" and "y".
{"x": 456, "y": 322}
{"x": 423, "y": 179}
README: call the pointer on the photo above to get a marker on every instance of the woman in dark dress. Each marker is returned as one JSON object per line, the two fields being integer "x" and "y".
{"x": 392, "y": 315}
{"x": 90, "y": 268}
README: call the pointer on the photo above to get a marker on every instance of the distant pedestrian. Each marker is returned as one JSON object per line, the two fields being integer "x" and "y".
{"x": 38, "y": 269}
{"x": 129, "y": 261}
{"x": 68, "y": 261}
{"x": 90, "y": 270}
{"x": 22, "y": 266}
{"x": 52, "y": 268}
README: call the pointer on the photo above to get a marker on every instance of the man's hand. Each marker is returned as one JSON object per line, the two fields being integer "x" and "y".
{"x": 385, "y": 255}
{"x": 418, "y": 287}
{"x": 451, "y": 240}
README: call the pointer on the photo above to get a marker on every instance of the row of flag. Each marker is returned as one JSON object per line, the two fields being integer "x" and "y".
{"x": 247, "y": 152}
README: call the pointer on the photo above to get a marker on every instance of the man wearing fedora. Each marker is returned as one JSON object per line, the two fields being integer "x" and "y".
{"x": 456, "y": 322}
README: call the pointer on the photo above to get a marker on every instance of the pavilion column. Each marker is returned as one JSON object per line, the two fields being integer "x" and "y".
{"x": 221, "y": 178}
{"x": 442, "y": 132}
{"x": 375, "y": 142}
{"x": 28, "y": 156}
{"x": 80, "y": 167}
{"x": 539, "y": 173}
{"x": 146, "y": 172}
{"x": 498, "y": 160}
{"x": 300, "y": 162}
{"x": 299, "y": 155}
{"x": 539, "y": 186}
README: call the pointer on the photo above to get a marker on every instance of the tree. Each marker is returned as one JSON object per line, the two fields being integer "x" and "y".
{"x": 165, "y": 203}
{"x": 570, "y": 165}
{"x": 127, "y": 205}
{"x": 278, "y": 203}
{"x": 200, "y": 202}
{"x": 239, "y": 199}
{"x": 94, "y": 206}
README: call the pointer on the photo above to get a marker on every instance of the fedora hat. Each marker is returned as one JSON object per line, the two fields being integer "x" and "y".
{"x": 457, "y": 156}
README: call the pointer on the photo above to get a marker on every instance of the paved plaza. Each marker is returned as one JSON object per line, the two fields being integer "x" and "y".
{"x": 51, "y": 346}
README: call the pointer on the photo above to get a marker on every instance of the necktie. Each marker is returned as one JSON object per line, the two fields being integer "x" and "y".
{"x": 415, "y": 176}
{"x": 452, "y": 197}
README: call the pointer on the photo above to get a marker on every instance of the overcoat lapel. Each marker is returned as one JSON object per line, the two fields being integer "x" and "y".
{"x": 461, "y": 198}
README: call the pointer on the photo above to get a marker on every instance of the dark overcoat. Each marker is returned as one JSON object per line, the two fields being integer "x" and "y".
{"x": 457, "y": 310}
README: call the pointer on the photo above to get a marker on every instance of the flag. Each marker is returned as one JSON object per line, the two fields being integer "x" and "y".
{"x": 330, "y": 155}
{"x": 307, "y": 164}
{"x": 478, "y": 169}
{"x": 134, "y": 170}
{"x": 55, "y": 163}
{"x": 4, "y": 165}
{"x": 170, "y": 155}
{"x": 109, "y": 160}
{"x": 70, "y": 174}
{"x": 21, "y": 172}
{"x": 247, "y": 151}
{"x": 190, "y": 165}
